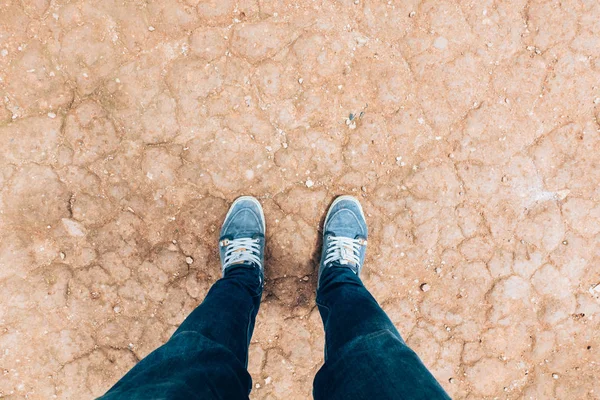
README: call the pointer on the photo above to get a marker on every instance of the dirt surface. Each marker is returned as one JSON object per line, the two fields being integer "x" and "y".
{"x": 468, "y": 129}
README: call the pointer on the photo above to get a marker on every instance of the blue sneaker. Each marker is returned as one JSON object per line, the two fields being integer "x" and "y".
{"x": 344, "y": 236}
{"x": 242, "y": 239}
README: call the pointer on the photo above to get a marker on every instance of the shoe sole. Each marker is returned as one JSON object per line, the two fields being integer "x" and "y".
{"x": 253, "y": 200}
{"x": 342, "y": 198}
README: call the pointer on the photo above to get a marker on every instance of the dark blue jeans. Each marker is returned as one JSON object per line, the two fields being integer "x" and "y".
{"x": 206, "y": 358}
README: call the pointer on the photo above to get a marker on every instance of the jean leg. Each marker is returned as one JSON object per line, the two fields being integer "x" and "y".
{"x": 365, "y": 356}
{"x": 228, "y": 313}
{"x": 207, "y": 356}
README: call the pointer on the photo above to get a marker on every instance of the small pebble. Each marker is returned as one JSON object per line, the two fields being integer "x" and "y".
{"x": 425, "y": 287}
{"x": 268, "y": 380}
{"x": 555, "y": 376}
{"x": 451, "y": 380}
{"x": 62, "y": 255}
{"x": 300, "y": 81}
{"x": 562, "y": 194}
{"x": 151, "y": 28}
{"x": 117, "y": 309}
{"x": 440, "y": 43}
{"x": 189, "y": 260}
{"x": 4, "y": 52}
{"x": 309, "y": 183}
{"x": 305, "y": 279}
{"x": 257, "y": 385}
{"x": 412, "y": 14}
{"x": 51, "y": 115}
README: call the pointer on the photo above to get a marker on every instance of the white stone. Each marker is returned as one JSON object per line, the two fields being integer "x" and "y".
{"x": 440, "y": 43}
{"x": 562, "y": 194}
{"x": 73, "y": 227}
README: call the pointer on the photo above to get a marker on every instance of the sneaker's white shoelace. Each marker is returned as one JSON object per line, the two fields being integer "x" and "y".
{"x": 344, "y": 250}
{"x": 239, "y": 251}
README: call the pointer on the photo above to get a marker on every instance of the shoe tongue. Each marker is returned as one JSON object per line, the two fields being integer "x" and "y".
{"x": 345, "y": 253}
{"x": 240, "y": 250}
{"x": 350, "y": 265}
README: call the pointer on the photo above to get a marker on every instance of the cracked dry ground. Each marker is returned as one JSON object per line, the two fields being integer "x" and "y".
{"x": 128, "y": 128}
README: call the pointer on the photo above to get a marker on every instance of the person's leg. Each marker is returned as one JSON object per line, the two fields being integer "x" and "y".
{"x": 365, "y": 356}
{"x": 229, "y": 310}
{"x": 206, "y": 358}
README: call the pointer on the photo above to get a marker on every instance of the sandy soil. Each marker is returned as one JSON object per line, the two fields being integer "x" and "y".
{"x": 469, "y": 129}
